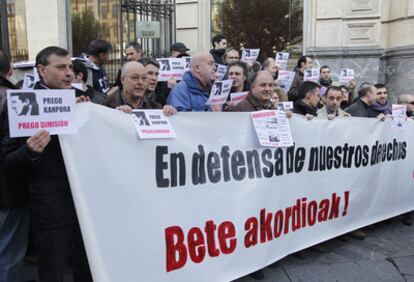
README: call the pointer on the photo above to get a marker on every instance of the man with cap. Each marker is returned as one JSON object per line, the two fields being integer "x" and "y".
{"x": 178, "y": 49}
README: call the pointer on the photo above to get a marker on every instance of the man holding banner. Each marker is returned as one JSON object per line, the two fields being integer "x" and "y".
{"x": 132, "y": 94}
{"x": 53, "y": 216}
{"x": 259, "y": 97}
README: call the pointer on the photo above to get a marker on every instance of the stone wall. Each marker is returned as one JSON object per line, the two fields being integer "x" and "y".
{"x": 374, "y": 37}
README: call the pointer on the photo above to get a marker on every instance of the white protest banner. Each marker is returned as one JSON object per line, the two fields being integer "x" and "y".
{"x": 311, "y": 75}
{"x": 28, "y": 81}
{"x": 346, "y": 76}
{"x": 272, "y": 128}
{"x": 237, "y": 97}
{"x": 221, "y": 71}
{"x": 284, "y": 106}
{"x": 250, "y": 55}
{"x": 32, "y": 110}
{"x": 282, "y": 59}
{"x": 152, "y": 124}
{"x": 399, "y": 115}
{"x": 285, "y": 79}
{"x": 171, "y": 68}
{"x": 212, "y": 205}
{"x": 220, "y": 92}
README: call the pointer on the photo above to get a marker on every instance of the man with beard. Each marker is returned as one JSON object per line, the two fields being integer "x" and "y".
{"x": 381, "y": 105}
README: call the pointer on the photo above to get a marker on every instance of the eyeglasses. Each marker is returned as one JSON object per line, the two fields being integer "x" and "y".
{"x": 233, "y": 58}
{"x": 137, "y": 77}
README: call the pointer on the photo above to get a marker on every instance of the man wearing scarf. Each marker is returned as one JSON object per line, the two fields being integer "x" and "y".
{"x": 381, "y": 106}
{"x": 325, "y": 76}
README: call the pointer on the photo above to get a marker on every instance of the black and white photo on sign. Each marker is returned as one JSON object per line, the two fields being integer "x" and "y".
{"x": 217, "y": 88}
{"x": 165, "y": 64}
{"x": 24, "y": 103}
{"x": 29, "y": 81}
{"x": 187, "y": 62}
{"x": 142, "y": 118}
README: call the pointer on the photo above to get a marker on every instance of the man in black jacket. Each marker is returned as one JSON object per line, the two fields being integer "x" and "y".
{"x": 14, "y": 198}
{"x": 362, "y": 107}
{"x": 54, "y": 221}
{"x": 219, "y": 48}
{"x": 308, "y": 98}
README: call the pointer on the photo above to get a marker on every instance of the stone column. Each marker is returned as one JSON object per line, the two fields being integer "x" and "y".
{"x": 46, "y": 25}
{"x": 193, "y": 24}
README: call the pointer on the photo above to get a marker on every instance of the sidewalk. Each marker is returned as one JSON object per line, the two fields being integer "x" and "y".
{"x": 386, "y": 255}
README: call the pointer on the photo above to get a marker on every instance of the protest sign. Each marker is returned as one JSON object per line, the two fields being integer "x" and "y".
{"x": 187, "y": 63}
{"x": 29, "y": 111}
{"x": 346, "y": 76}
{"x": 285, "y": 79}
{"x": 237, "y": 97}
{"x": 284, "y": 106}
{"x": 272, "y": 128}
{"x": 311, "y": 75}
{"x": 250, "y": 55}
{"x": 399, "y": 115}
{"x": 152, "y": 124}
{"x": 282, "y": 59}
{"x": 77, "y": 85}
{"x": 221, "y": 71}
{"x": 28, "y": 81}
{"x": 212, "y": 205}
{"x": 171, "y": 68}
{"x": 220, "y": 92}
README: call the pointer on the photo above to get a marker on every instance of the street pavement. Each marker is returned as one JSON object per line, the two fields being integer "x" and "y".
{"x": 386, "y": 255}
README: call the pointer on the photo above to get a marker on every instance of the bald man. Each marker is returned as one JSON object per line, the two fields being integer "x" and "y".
{"x": 191, "y": 94}
{"x": 131, "y": 96}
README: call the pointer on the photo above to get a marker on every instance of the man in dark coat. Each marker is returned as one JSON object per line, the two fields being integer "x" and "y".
{"x": 14, "y": 198}
{"x": 260, "y": 94}
{"x": 362, "y": 107}
{"x": 53, "y": 216}
{"x": 132, "y": 94}
{"x": 304, "y": 63}
{"x": 219, "y": 48}
{"x": 308, "y": 98}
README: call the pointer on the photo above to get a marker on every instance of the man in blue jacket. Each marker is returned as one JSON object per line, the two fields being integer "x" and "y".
{"x": 191, "y": 94}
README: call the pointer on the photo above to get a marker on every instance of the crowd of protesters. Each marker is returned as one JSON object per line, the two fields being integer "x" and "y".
{"x": 34, "y": 187}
